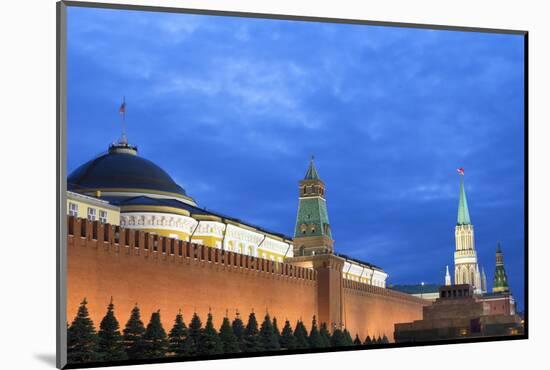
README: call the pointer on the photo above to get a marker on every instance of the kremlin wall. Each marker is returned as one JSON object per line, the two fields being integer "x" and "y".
{"x": 168, "y": 274}
{"x": 136, "y": 236}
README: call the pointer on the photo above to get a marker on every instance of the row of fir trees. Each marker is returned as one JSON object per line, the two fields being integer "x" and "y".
{"x": 139, "y": 342}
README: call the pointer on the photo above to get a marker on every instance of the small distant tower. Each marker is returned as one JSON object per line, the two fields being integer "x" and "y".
{"x": 447, "y": 276}
{"x": 466, "y": 266}
{"x": 312, "y": 233}
{"x": 483, "y": 281}
{"x": 500, "y": 282}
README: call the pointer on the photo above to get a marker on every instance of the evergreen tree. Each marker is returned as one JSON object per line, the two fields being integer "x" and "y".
{"x": 379, "y": 340}
{"x": 268, "y": 338}
{"x": 252, "y": 341}
{"x": 209, "y": 342}
{"x": 82, "y": 338}
{"x": 325, "y": 335}
{"x": 338, "y": 339}
{"x": 177, "y": 337}
{"x": 367, "y": 341}
{"x": 239, "y": 331}
{"x": 300, "y": 333}
{"x": 155, "y": 340}
{"x": 357, "y": 341}
{"x": 277, "y": 331}
{"x": 348, "y": 338}
{"x": 315, "y": 340}
{"x": 229, "y": 341}
{"x": 133, "y": 335}
{"x": 189, "y": 347}
{"x": 110, "y": 346}
{"x": 288, "y": 341}
{"x": 385, "y": 339}
{"x": 192, "y": 341}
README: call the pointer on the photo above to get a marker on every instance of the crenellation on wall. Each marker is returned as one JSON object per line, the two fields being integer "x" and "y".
{"x": 149, "y": 244}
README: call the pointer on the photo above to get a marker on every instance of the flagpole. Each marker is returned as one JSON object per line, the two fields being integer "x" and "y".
{"x": 123, "y": 137}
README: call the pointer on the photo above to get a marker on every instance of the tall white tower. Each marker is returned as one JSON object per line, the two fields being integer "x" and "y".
{"x": 466, "y": 266}
{"x": 447, "y": 276}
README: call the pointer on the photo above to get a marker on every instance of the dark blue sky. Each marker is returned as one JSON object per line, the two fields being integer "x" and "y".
{"x": 233, "y": 108}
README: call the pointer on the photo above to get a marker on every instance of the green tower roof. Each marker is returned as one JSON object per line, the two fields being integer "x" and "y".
{"x": 463, "y": 214}
{"x": 311, "y": 173}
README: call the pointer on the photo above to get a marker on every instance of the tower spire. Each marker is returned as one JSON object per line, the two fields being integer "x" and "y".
{"x": 463, "y": 213}
{"x": 447, "y": 276}
{"x": 312, "y": 173}
{"x": 483, "y": 281}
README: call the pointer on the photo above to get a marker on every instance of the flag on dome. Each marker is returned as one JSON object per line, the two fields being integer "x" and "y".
{"x": 122, "y": 108}
{"x": 460, "y": 171}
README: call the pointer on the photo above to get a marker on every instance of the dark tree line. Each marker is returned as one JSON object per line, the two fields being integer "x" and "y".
{"x": 137, "y": 341}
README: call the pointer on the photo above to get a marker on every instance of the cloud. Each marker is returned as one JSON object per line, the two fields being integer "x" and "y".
{"x": 428, "y": 192}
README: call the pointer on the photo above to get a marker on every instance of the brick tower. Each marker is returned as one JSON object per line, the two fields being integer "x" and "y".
{"x": 314, "y": 247}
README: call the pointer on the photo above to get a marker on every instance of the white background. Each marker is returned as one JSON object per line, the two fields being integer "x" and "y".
{"x": 27, "y": 181}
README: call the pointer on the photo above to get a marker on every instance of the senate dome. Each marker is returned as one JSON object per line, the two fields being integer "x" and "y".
{"x": 121, "y": 173}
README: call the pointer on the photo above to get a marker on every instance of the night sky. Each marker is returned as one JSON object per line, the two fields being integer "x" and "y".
{"x": 233, "y": 108}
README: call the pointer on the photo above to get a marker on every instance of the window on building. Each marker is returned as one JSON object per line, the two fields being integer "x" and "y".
{"x": 103, "y": 216}
{"x": 91, "y": 214}
{"x": 73, "y": 209}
